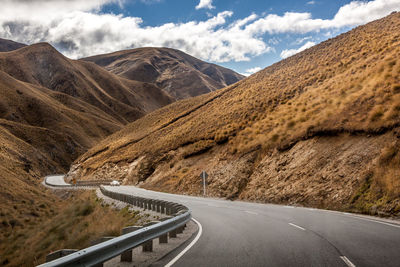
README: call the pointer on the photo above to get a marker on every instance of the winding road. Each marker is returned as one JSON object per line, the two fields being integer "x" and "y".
{"x": 236, "y": 233}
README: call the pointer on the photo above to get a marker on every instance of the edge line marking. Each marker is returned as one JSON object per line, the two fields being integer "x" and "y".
{"x": 169, "y": 264}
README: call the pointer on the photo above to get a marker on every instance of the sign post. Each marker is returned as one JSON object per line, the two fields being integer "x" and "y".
{"x": 204, "y": 176}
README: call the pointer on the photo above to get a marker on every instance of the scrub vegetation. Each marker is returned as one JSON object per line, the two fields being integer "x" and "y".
{"x": 72, "y": 222}
{"x": 343, "y": 93}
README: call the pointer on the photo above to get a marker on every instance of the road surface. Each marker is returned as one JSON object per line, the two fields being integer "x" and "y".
{"x": 236, "y": 233}
{"x": 56, "y": 180}
{"x": 249, "y": 234}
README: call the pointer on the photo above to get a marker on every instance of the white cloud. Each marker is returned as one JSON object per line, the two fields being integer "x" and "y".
{"x": 290, "y": 52}
{"x": 39, "y": 10}
{"x": 311, "y": 3}
{"x": 250, "y": 71}
{"x": 352, "y": 14}
{"x": 302, "y": 40}
{"x": 78, "y": 29}
{"x": 205, "y": 4}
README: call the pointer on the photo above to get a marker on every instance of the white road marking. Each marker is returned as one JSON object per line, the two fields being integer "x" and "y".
{"x": 169, "y": 264}
{"x": 371, "y": 220}
{"x": 289, "y": 207}
{"x": 299, "y": 227}
{"x": 251, "y": 212}
{"x": 347, "y": 261}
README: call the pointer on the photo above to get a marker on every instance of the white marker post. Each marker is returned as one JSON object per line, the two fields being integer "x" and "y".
{"x": 204, "y": 176}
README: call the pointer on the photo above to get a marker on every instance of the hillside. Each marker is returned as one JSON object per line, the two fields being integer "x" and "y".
{"x": 177, "y": 73}
{"x": 41, "y": 64}
{"x": 8, "y": 45}
{"x": 319, "y": 129}
{"x": 52, "y": 109}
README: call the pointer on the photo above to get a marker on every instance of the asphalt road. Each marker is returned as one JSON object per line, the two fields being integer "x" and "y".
{"x": 56, "y": 180}
{"x": 249, "y": 234}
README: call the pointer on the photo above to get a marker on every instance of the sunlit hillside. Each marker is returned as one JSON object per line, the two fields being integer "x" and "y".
{"x": 319, "y": 128}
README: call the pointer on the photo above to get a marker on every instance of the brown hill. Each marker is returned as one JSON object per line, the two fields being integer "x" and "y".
{"x": 179, "y": 74}
{"x": 8, "y": 45}
{"x": 41, "y": 64}
{"x": 52, "y": 109}
{"x": 320, "y": 128}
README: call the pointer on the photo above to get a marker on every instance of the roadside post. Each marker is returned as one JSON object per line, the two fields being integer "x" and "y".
{"x": 204, "y": 176}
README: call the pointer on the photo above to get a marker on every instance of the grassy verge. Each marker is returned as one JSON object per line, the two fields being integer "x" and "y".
{"x": 74, "y": 223}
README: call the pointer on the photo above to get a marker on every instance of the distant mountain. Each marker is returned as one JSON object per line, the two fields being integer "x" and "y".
{"x": 177, "y": 73}
{"x": 320, "y": 128}
{"x": 8, "y": 45}
{"x": 52, "y": 109}
{"x": 42, "y": 65}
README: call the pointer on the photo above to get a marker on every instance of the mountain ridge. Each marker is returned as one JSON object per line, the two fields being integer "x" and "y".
{"x": 9, "y": 45}
{"x": 172, "y": 70}
{"x": 52, "y": 109}
{"x": 306, "y": 130}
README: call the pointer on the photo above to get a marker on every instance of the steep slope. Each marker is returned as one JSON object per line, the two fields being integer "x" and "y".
{"x": 52, "y": 109}
{"x": 8, "y": 45}
{"x": 41, "y": 64}
{"x": 179, "y": 74}
{"x": 320, "y": 128}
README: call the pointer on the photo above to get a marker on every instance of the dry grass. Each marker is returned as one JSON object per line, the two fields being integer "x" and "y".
{"x": 72, "y": 223}
{"x": 348, "y": 84}
{"x": 382, "y": 185}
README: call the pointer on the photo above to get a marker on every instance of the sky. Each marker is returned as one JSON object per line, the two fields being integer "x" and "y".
{"x": 244, "y": 35}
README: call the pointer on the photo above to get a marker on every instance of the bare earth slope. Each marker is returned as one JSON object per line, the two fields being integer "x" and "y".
{"x": 320, "y": 128}
{"x": 179, "y": 74}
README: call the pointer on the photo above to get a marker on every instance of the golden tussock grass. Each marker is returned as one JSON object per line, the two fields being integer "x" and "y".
{"x": 74, "y": 223}
{"x": 348, "y": 84}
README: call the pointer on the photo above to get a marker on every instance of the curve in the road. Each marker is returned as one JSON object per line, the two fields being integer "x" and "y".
{"x": 235, "y": 233}
{"x": 239, "y": 233}
{"x": 186, "y": 249}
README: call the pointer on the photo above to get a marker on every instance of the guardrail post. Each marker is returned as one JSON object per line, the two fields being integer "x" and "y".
{"x": 172, "y": 234}
{"x": 168, "y": 208}
{"x": 127, "y": 255}
{"x": 162, "y": 206}
{"x": 148, "y": 245}
{"x": 59, "y": 253}
{"x": 158, "y": 208}
{"x": 163, "y": 239}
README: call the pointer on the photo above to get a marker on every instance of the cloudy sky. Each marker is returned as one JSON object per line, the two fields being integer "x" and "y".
{"x": 245, "y": 35}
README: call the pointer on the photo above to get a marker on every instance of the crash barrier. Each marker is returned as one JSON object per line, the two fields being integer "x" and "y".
{"x": 80, "y": 183}
{"x": 131, "y": 237}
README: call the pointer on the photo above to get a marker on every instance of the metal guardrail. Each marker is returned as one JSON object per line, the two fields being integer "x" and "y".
{"x": 104, "y": 251}
{"x": 80, "y": 183}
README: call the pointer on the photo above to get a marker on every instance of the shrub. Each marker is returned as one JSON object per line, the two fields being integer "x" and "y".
{"x": 275, "y": 137}
{"x": 396, "y": 88}
{"x": 291, "y": 124}
{"x": 376, "y": 115}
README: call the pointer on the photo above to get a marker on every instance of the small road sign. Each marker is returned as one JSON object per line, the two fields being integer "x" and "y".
{"x": 204, "y": 176}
